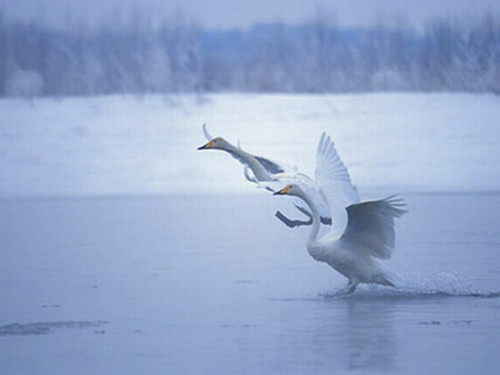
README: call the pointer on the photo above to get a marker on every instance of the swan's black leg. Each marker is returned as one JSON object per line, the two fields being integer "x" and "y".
{"x": 305, "y": 211}
{"x": 351, "y": 286}
{"x": 291, "y": 223}
{"x": 297, "y": 223}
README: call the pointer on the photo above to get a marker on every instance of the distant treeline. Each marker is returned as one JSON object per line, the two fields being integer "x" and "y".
{"x": 317, "y": 57}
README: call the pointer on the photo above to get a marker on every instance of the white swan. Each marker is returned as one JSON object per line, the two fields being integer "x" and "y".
{"x": 263, "y": 169}
{"x": 362, "y": 233}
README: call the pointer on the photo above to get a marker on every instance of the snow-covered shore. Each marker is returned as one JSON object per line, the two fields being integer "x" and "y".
{"x": 128, "y": 145}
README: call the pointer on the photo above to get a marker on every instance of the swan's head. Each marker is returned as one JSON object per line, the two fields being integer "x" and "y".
{"x": 218, "y": 143}
{"x": 291, "y": 189}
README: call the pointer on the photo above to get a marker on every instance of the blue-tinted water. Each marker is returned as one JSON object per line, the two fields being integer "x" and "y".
{"x": 216, "y": 285}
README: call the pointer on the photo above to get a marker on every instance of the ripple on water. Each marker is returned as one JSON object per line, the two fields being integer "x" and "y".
{"x": 43, "y": 328}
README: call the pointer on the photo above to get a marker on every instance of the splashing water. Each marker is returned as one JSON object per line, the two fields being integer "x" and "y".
{"x": 442, "y": 284}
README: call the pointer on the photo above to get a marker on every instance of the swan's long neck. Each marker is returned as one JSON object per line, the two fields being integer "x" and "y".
{"x": 260, "y": 173}
{"x": 313, "y": 234}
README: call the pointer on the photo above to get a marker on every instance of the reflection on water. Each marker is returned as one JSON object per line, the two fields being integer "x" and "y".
{"x": 365, "y": 331}
{"x": 371, "y": 338}
{"x": 359, "y": 336}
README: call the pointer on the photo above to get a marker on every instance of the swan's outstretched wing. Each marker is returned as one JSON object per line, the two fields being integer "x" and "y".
{"x": 207, "y": 135}
{"x": 335, "y": 184}
{"x": 370, "y": 226}
{"x": 270, "y": 166}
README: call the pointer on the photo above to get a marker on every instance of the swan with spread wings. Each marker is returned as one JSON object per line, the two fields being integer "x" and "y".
{"x": 362, "y": 233}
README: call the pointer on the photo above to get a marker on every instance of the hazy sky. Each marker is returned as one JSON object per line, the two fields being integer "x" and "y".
{"x": 242, "y": 13}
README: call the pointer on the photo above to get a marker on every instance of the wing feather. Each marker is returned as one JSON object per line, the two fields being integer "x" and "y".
{"x": 269, "y": 165}
{"x": 335, "y": 184}
{"x": 370, "y": 226}
{"x": 206, "y": 133}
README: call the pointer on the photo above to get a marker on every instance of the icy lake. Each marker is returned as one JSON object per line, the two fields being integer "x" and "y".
{"x": 126, "y": 251}
{"x": 198, "y": 285}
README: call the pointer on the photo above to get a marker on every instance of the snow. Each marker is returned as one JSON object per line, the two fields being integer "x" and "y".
{"x": 126, "y": 145}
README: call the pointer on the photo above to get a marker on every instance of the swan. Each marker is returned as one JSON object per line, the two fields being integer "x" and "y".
{"x": 269, "y": 174}
{"x": 263, "y": 169}
{"x": 362, "y": 233}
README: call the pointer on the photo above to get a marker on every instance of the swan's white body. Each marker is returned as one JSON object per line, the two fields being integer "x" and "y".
{"x": 362, "y": 233}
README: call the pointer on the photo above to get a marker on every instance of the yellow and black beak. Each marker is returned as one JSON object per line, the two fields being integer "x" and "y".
{"x": 283, "y": 191}
{"x": 206, "y": 146}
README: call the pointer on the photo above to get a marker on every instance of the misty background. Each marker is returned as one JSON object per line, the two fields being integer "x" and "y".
{"x": 53, "y": 48}
{"x": 125, "y": 250}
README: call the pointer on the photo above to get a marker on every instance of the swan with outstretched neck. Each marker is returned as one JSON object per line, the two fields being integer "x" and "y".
{"x": 362, "y": 234}
{"x": 270, "y": 175}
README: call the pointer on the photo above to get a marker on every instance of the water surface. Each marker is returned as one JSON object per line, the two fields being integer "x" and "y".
{"x": 215, "y": 285}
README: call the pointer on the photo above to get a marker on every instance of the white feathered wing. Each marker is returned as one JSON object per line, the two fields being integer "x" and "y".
{"x": 366, "y": 227}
